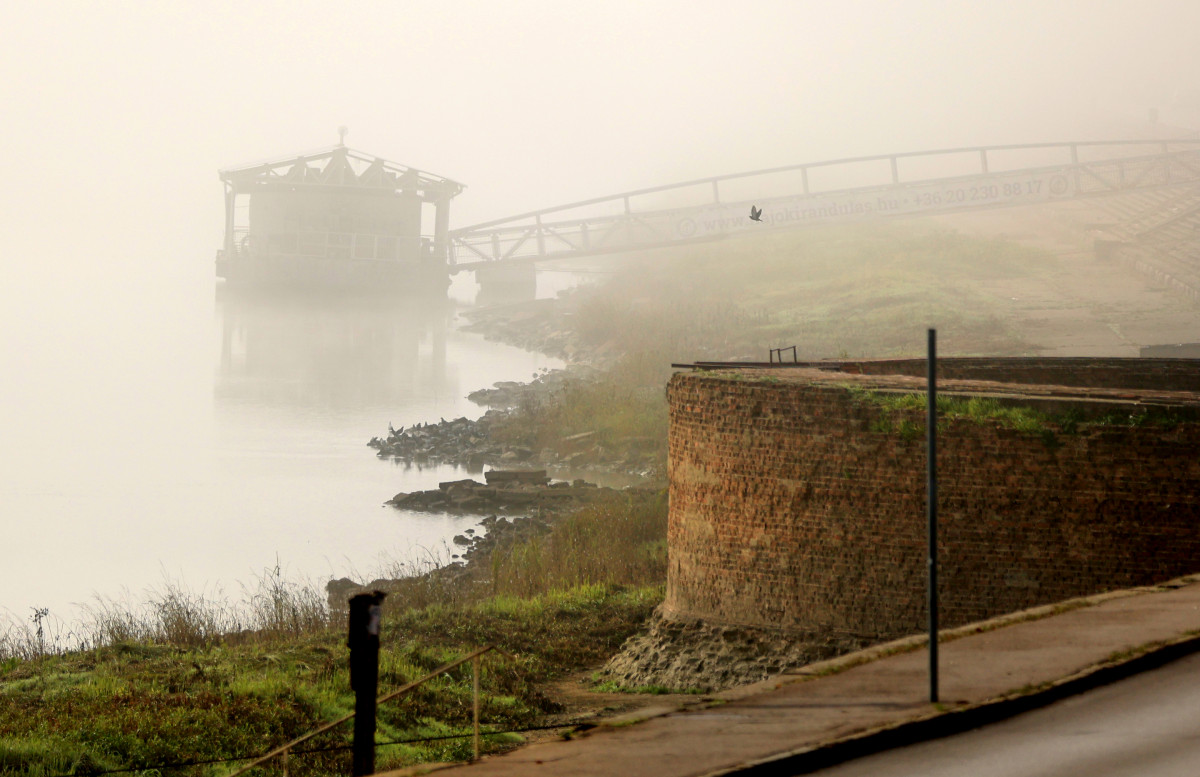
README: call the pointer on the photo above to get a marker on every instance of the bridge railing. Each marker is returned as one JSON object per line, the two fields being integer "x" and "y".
{"x": 886, "y": 185}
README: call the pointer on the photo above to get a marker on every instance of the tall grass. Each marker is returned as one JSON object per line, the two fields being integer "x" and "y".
{"x": 272, "y": 606}
{"x": 170, "y": 614}
{"x": 424, "y": 578}
{"x": 134, "y": 707}
{"x": 618, "y": 542}
{"x": 42, "y": 633}
{"x": 621, "y": 541}
{"x": 617, "y": 408}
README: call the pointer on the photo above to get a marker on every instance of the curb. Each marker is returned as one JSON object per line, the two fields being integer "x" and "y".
{"x": 913, "y": 642}
{"x": 811, "y": 759}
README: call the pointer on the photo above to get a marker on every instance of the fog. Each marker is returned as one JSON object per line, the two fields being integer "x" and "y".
{"x": 118, "y": 116}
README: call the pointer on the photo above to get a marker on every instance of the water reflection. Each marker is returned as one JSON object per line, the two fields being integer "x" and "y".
{"x": 304, "y": 381}
{"x": 205, "y": 444}
{"x": 313, "y": 351}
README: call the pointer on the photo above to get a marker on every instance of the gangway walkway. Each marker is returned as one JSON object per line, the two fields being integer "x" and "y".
{"x": 905, "y": 184}
{"x": 1160, "y": 239}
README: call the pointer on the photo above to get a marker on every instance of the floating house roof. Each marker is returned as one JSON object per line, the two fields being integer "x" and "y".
{"x": 339, "y": 167}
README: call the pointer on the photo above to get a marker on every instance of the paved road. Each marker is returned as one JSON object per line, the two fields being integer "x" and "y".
{"x": 1145, "y": 726}
{"x": 877, "y": 698}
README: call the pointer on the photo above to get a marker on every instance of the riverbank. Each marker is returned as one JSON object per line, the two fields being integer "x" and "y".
{"x": 509, "y": 435}
{"x": 146, "y": 705}
{"x": 179, "y": 677}
{"x": 190, "y": 678}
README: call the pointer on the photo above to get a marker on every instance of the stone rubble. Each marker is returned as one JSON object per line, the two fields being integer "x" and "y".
{"x": 686, "y": 655}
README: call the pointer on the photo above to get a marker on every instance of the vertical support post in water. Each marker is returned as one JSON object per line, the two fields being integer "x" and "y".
{"x": 363, "y": 639}
{"x": 931, "y": 512}
{"x": 475, "y": 701}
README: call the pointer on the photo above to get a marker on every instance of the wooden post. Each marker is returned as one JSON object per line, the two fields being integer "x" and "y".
{"x": 475, "y": 701}
{"x": 363, "y": 639}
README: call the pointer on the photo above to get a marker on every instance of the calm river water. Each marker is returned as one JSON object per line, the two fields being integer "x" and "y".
{"x": 171, "y": 435}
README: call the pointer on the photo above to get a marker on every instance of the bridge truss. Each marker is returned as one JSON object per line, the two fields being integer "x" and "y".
{"x": 907, "y": 184}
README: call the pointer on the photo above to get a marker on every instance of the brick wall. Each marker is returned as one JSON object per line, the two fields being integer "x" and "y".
{"x": 788, "y": 511}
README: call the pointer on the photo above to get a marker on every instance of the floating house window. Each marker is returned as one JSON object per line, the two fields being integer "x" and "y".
{"x": 385, "y": 248}
{"x": 364, "y": 246}
{"x": 310, "y": 243}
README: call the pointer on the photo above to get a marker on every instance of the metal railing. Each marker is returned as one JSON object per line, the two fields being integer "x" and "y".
{"x": 777, "y": 354}
{"x": 474, "y": 657}
{"x": 362, "y": 246}
{"x": 1082, "y": 171}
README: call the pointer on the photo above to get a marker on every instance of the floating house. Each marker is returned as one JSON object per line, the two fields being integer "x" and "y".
{"x": 335, "y": 218}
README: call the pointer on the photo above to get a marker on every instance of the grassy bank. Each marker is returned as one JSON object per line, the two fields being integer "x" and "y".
{"x": 191, "y": 680}
{"x": 143, "y": 705}
{"x": 177, "y": 680}
{"x": 833, "y": 292}
{"x": 848, "y": 292}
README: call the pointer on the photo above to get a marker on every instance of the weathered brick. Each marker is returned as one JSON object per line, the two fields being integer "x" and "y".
{"x": 787, "y": 511}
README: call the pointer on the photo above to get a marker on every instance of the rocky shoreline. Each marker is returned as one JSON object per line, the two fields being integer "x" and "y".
{"x": 472, "y": 444}
{"x": 509, "y": 492}
{"x": 522, "y": 501}
{"x": 518, "y": 498}
{"x": 512, "y": 488}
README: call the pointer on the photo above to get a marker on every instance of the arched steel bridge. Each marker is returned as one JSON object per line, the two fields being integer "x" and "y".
{"x": 890, "y": 185}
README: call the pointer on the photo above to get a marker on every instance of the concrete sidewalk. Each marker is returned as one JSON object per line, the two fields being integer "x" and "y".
{"x": 878, "y": 698}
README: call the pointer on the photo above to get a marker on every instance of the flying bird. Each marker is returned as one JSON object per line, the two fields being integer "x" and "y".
{"x": 755, "y": 213}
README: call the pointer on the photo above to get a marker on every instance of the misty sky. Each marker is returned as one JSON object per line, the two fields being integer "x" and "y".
{"x": 117, "y": 115}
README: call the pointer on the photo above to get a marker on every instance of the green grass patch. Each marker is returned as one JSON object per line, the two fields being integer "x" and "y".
{"x": 904, "y": 414}
{"x": 1165, "y": 418}
{"x": 136, "y": 706}
{"x": 181, "y": 690}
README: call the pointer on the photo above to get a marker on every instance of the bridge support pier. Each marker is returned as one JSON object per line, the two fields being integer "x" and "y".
{"x": 506, "y": 282}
